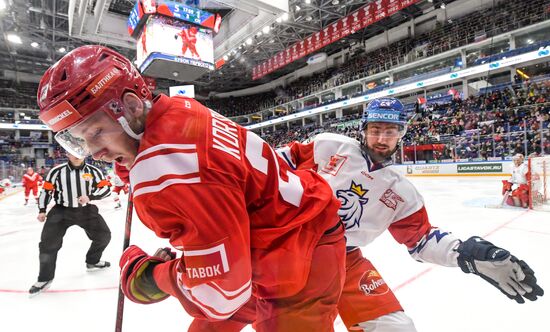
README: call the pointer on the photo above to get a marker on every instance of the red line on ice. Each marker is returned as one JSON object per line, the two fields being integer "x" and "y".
{"x": 60, "y": 290}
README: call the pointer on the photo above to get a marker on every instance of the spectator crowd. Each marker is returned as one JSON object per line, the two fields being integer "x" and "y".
{"x": 496, "y": 124}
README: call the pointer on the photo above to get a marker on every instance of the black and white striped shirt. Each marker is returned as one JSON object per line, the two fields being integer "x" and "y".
{"x": 65, "y": 183}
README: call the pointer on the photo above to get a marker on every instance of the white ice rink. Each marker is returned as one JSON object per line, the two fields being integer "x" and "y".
{"x": 438, "y": 299}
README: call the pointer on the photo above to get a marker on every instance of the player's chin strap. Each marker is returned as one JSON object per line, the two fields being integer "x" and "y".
{"x": 147, "y": 105}
{"x": 127, "y": 129}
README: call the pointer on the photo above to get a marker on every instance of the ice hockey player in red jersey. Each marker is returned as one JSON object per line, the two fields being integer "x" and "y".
{"x": 374, "y": 198}
{"x": 30, "y": 182}
{"x": 246, "y": 225}
{"x": 518, "y": 196}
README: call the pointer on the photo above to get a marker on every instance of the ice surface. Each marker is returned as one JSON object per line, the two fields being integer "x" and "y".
{"x": 438, "y": 299}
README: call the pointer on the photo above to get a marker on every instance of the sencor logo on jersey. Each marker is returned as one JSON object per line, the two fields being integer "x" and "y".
{"x": 205, "y": 263}
{"x": 372, "y": 284}
{"x": 334, "y": 164}
{"x": 352, "y": 201}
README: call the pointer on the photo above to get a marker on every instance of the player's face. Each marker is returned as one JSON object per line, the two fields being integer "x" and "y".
{"x": 381, "y": 139}
{"x": 30, "y": 171}
{"x": 106, "y": 140}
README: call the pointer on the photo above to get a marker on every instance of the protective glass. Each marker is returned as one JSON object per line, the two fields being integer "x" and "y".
{"x": 94, "y": 133}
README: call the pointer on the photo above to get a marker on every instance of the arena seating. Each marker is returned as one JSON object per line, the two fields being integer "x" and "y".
{"x": 507, "y": 16}
{"x": 497, "y": 124}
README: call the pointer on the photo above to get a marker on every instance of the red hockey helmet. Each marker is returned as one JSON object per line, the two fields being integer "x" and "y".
{"x": 82, "y": 83}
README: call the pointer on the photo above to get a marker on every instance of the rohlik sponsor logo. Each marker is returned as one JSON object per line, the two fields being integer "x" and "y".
{"x": 59, "y": 117}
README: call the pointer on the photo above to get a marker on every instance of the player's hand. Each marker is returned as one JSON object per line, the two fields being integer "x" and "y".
{"x": 136, "y": 276}
{"x": 41, "y": 217}
{"x": 165, "y": 254}
{"x": 497, "y": 266}
{"x": 83, "y": 200}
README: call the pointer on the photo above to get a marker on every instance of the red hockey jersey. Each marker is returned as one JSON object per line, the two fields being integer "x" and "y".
{"x": 245, "y": 222}
{"x": 31, "y": 180}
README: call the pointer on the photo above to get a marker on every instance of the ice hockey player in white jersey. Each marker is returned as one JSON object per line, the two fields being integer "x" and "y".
{"x": 374, "y": 198}
{"x": 118, "y": 186}
{"x": 519, "y": 195}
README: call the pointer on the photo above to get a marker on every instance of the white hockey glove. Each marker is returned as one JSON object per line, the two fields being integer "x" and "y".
{"x": 497, "y": 266}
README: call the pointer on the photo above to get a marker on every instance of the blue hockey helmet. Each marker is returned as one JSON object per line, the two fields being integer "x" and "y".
{"x": 385, "y": 109}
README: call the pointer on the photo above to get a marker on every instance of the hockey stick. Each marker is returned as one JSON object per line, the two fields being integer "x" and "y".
{"x": 126, "y": 244}
{"x": 501, "y": 203}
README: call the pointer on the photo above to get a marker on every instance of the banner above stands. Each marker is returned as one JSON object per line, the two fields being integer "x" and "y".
{"x": 433, "y": 81}
{"x": 145, "y": 8}
{"x": 361, "y": 18}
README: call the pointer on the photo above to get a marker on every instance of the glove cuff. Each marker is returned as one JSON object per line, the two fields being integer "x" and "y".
{"x": 137, "y": 281}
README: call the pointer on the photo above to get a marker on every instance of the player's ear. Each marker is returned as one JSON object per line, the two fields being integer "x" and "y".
{"x": 133, "y": 104}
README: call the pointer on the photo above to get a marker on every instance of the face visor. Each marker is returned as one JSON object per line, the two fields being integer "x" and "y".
{"x": 96, "y": 132}
{"x": 388, "y": 132}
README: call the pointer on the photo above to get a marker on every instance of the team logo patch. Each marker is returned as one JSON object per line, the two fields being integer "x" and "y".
{"x": 391, "y": 199}
{"x": 352, "y": 201}
{"x": 334, "y": 164}
{"x": 87, "y": 176}
{"x": 206, "y": 262}
{"x": 372, "y": 284}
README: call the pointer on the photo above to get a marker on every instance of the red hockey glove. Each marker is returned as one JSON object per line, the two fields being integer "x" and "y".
{"x": 136, "y": 276}
{"x": 506, "y": 186}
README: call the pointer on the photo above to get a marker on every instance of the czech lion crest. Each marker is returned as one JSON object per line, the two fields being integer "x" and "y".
{"x": 352, "y": 201}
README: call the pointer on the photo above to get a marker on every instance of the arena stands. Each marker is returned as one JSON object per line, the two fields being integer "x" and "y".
{"x": 507, "y": 16}
{"x": 493, "y": 125}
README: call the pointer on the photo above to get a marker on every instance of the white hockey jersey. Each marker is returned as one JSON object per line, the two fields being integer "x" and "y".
{"x": 519, "y": 174}
{"x": 374, "y": 198}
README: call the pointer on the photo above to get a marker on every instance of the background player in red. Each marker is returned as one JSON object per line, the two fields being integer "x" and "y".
{"x": 189, "y": 41}
{"x": 30, "y": 182}
{"x": 245, "y": 224}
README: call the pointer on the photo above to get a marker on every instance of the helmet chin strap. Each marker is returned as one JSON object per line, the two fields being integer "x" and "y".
{"x": 127, "y": 129}
{"x": 147, "y": 105}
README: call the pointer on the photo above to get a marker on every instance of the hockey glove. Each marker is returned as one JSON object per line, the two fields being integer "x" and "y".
{"x": 497, "y": 266}
{"x": 136, "y": 276}
{"x": 506, "y": 186}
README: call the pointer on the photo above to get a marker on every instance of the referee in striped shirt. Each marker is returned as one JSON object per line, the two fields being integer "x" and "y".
{"x": 72, "y": 186}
